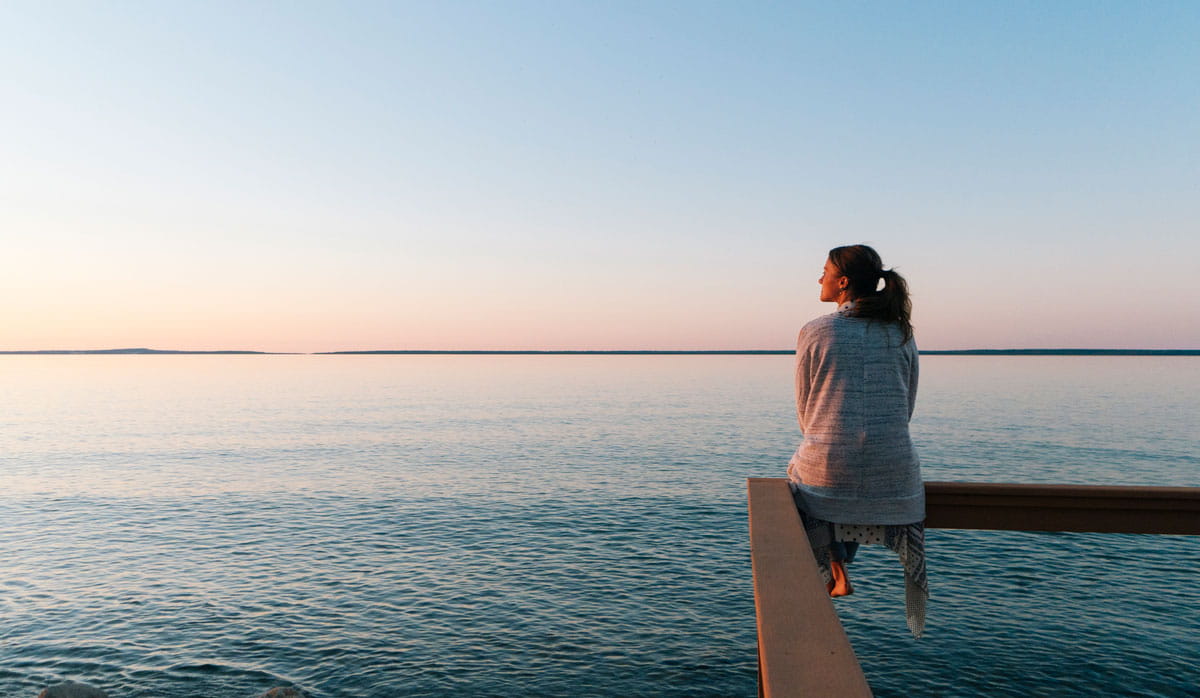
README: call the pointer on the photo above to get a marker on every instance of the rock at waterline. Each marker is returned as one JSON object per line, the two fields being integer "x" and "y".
{"x": 72, "y": 689}
{"x": 284, "y": 692}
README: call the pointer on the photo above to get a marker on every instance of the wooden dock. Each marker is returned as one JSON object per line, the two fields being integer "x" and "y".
{"x": 803, "y": 649}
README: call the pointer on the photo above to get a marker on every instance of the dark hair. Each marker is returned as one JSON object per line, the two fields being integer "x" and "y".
{"x": 863, "y": 269}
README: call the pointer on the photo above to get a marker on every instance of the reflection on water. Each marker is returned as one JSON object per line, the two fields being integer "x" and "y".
{"x": 535, "y": 525}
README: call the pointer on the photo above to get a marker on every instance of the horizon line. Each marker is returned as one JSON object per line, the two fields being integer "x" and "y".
{"x": 930, "y": 352}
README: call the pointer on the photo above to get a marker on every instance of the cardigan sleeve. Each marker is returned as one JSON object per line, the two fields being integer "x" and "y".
{"x": 914, "y": 370}
{"x": 802, "y": 379}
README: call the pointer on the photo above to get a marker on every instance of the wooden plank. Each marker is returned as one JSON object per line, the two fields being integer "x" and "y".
{"x": 803, "y": 649}
{"x": 1077, "y": 508}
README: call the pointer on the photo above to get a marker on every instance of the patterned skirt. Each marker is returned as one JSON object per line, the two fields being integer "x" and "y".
{"x": 834, "y": 541}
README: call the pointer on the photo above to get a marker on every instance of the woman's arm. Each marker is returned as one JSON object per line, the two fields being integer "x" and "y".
{"x": 802, "y": 378}
{"x": 914, "y": 369}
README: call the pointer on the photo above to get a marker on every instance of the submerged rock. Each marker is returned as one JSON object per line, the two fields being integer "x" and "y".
{"x": 72, "y": 689}
{"x": 284, "y": 692}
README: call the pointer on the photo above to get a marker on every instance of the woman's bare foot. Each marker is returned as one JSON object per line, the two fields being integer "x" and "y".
{"x": 840, "y": 584}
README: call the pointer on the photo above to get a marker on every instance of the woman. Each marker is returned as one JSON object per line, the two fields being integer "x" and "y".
{"x": 856, "y": 477}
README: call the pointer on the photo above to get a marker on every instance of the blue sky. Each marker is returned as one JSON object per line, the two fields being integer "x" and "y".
{"x": 321, "y": 176}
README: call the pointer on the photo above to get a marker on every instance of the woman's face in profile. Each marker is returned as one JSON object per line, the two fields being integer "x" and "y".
{"x": 830, "y": 283}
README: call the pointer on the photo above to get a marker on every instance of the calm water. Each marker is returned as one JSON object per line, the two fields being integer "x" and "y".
{"x": 550, "y": 525}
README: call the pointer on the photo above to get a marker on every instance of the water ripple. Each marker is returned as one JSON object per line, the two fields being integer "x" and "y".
{"x": 559, "y": 529}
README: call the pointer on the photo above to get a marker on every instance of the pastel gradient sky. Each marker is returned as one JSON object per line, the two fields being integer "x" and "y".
{"x": 315, "y": 176}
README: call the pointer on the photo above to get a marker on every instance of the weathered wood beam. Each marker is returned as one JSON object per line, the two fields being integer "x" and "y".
{"x": 803, "y": 650}
{"x": 1078, "y": 508}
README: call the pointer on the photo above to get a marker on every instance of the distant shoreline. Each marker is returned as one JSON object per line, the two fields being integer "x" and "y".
{"x": 1062, "y": 352}
{"x": 619, "y": 352}
{"x": 931, "y": 352}
{"x": 55, "y": 352}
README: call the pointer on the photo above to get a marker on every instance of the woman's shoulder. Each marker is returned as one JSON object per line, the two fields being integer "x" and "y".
{"x": 821, "y": 328}
{"x": 820, "y": 324}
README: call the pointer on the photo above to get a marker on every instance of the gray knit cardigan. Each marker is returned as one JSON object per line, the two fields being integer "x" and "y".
{"x": 856, "y": 387}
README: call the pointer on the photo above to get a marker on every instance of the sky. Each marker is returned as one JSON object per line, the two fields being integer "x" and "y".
{"x": 320, "y": 176}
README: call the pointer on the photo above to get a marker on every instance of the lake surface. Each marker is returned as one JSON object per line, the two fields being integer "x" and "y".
{"x": 213, "y": 526}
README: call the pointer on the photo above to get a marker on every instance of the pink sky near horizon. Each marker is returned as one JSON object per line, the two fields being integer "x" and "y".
{"x": 647, "y": 311}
